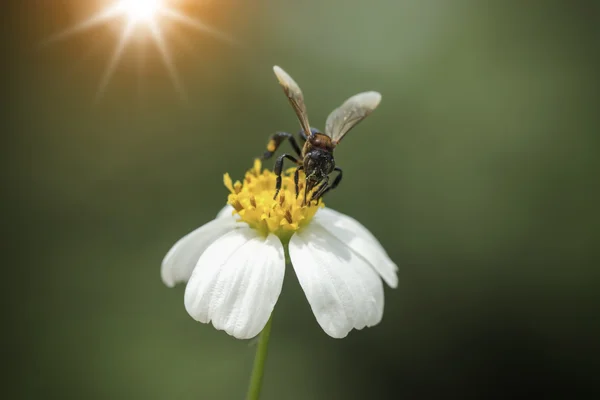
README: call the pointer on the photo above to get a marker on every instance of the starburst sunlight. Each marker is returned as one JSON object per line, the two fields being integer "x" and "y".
{"x": 138, "y": 16}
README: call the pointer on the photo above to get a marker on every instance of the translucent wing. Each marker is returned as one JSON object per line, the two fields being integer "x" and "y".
{"x": 355, "y": 109}
{"x": 294, "y": 94}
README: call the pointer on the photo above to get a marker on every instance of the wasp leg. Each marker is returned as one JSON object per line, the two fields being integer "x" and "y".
{"x": 278, "y": 169}
{"x": 321, "y": 189}
{"x": 297, "y": 177}
{"x": 335, "y": 183}
{"x": 276, "y": 139}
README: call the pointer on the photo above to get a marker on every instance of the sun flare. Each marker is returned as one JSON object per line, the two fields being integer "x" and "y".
{"x": 150, "y": 15}
{"x": 141, "y": 10}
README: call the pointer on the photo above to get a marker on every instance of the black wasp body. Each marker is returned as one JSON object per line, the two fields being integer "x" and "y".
{"x": 315, "y": 157}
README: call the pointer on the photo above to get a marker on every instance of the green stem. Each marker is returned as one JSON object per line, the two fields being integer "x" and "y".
{"x": 259, "y": 363}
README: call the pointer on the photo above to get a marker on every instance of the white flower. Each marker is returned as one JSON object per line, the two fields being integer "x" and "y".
{"x": 234, "y": 265}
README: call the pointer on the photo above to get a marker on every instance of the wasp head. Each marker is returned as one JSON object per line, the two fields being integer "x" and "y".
{"x": 318, "y": 164}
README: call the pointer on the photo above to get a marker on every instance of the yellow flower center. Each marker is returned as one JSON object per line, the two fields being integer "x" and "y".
{"x": 253, "y": 201}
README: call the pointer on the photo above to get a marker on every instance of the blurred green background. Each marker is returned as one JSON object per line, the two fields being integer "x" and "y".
{"x": 478, "y": 173}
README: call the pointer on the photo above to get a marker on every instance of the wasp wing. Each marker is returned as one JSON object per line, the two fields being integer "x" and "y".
{"x": 355, "y": 109}
{"x": 294, "y": 95}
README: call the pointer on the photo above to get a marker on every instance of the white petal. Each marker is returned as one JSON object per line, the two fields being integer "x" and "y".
{"x": 225, "y": 211}
{"x": 360, "y": 240}
{"x": 237, "y": 282}
{"x": 179, "y": 262}
{"x": 342, "y": 289}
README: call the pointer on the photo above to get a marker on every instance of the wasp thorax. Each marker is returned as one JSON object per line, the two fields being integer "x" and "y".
{"x": 320, "y": 141}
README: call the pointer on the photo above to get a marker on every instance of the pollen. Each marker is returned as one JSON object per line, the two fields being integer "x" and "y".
{"x": 252, "y": 199}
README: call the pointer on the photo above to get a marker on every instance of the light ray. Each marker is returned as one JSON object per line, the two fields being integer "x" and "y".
{"x": 194, "y": 23}
{"x": 115, "y": 58}
{"x": 139, "y": 14}
{"x": 92, "y": 22}
{"x": 166, "y": 56}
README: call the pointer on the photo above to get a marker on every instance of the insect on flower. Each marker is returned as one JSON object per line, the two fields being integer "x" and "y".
{"x": 316, "y": 156}
{"x": 234, "y": 265}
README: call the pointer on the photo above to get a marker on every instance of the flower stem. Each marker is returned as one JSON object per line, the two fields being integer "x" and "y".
{"x": 259, "y": 363}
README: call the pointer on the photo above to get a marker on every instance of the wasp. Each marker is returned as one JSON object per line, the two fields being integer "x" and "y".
{"x": 315, "y": 157}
